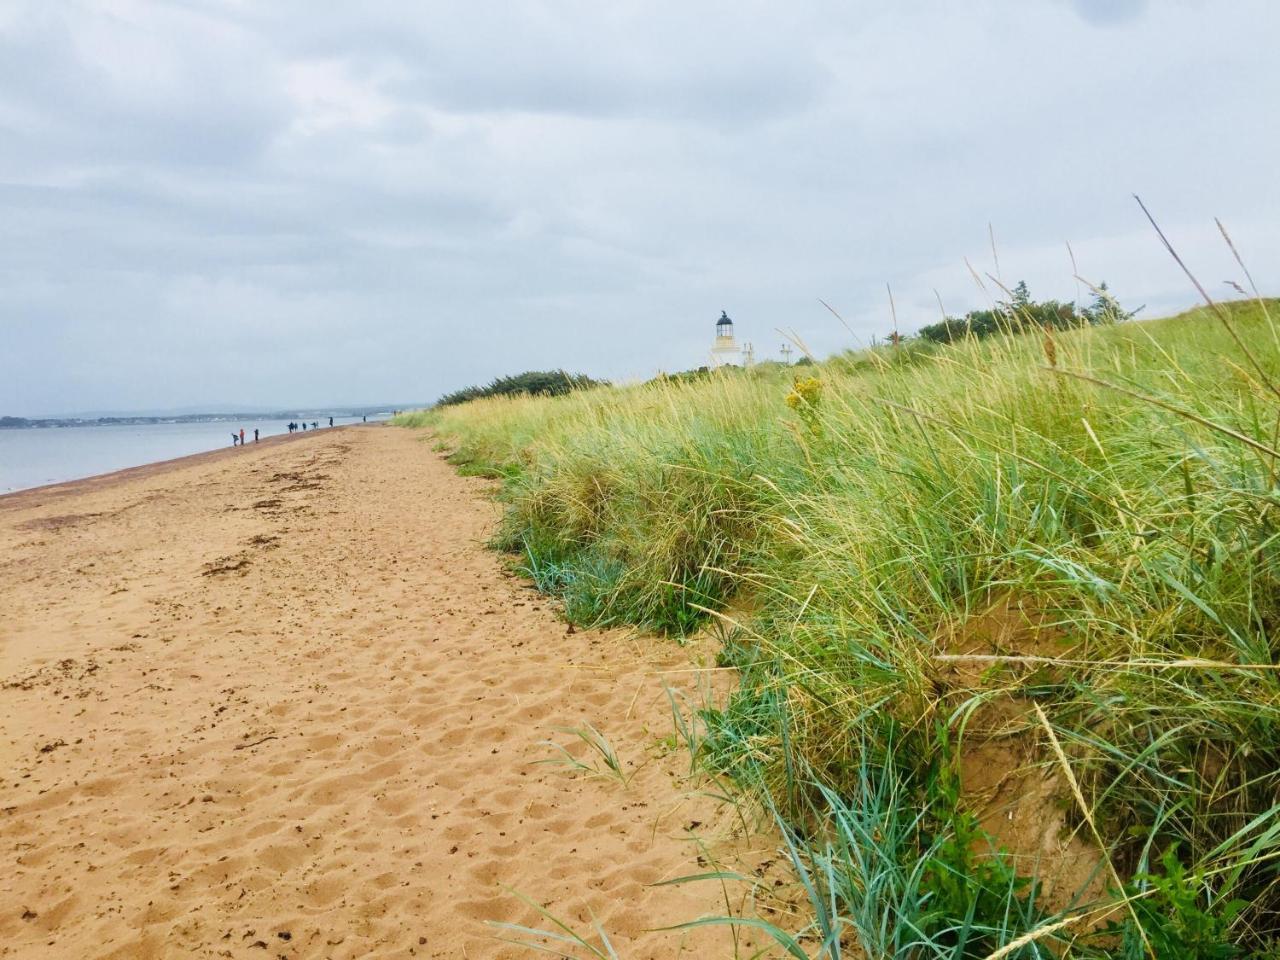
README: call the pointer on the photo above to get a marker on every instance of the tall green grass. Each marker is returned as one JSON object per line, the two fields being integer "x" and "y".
{"x": 1116, "y": 485}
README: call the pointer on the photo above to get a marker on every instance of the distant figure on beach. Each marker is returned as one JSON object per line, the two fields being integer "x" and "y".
{"x": 314, "y": 425}
{"x": 304, "y": 425}
{"x": 364, "y": 419}
{"x": 331, "y": 421}
{"x": 255, "y": 434}
{"x": 242, "y": 436}
{"x": 234, "y": 438}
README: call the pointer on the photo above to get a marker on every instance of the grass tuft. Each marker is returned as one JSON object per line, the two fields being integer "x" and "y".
{"x": 601, "y": 758}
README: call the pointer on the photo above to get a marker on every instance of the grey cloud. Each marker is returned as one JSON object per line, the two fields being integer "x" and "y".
{"x": 391, "y": 200}
{"x": 666, "y": 60}
{"x": 193, "y": 111}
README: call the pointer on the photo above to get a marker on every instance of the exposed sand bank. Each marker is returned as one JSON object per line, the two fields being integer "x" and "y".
{"x": 280, "y": 702}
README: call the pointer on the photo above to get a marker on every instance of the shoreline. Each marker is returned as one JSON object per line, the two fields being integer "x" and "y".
{"x": 103, "y": 481}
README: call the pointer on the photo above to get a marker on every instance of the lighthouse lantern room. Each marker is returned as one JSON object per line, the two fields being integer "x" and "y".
{"x": 725, "y": 352}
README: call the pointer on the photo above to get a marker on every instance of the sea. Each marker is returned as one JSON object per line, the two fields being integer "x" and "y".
{"x": 35, "y": 456}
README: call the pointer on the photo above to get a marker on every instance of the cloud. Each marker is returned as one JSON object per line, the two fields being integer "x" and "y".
{"x": 269, "y": 203}
{"x": 100, "y": 88}
{"x": 717, "y": 62}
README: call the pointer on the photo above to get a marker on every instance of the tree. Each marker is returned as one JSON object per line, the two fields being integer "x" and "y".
{"x": 1105, "y": 308}
{"x": 1019, "y": 315}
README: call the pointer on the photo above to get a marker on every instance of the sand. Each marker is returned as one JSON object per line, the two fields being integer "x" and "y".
{"x": 282, "y": 702}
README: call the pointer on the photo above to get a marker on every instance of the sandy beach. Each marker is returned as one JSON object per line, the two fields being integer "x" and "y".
{"x": 282, "y": 702}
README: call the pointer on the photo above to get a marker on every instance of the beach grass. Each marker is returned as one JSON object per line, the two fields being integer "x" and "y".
{"x": 1054, "y": 553}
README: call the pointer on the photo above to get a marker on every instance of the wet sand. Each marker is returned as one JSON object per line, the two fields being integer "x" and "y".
{"x": 281, "y": 702}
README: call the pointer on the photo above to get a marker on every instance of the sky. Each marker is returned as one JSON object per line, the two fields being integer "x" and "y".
{"x": 237, "y": 202}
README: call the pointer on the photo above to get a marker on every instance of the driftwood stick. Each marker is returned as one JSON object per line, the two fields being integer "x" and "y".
{"x": 246, "y": 746}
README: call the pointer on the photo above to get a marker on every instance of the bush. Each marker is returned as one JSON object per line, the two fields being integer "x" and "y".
{"x": 1022, "y": 314}
{"x": 541, "y": 383}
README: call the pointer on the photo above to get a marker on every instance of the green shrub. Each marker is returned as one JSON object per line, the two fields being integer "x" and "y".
{"x": 539, "y": 383}
{"x": 1021, "y": 314}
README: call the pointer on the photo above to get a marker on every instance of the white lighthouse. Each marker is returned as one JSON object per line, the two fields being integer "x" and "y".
{"x": 725, "y": 353}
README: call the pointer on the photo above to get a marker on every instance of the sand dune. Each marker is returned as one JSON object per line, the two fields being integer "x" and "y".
{"x": 281, "y": 702}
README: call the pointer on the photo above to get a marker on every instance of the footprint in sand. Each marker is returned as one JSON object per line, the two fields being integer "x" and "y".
{"x": 373, "y": 645}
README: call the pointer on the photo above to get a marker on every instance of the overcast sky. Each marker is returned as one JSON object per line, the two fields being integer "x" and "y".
{"x": 211, "y": 202}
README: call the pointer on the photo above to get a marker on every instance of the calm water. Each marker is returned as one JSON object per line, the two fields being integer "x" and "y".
{"x": 31, "y": 458}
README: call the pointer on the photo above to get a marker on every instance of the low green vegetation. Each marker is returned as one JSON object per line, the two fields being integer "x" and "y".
{"x": 601, "y": 760}
{"x": 538, "y": 383}
{"x": 971, "y": 589}
{"x": 1021, "y": 314}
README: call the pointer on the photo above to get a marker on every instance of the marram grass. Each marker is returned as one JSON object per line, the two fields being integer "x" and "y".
{"x": 1116, "y": 485}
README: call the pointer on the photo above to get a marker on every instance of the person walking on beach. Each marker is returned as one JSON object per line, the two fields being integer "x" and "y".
{"x": 255, "y": 434}
{"x": 242, "y": 436}
{"x": 234, "y": 438}
{"x": 331, "y": 421}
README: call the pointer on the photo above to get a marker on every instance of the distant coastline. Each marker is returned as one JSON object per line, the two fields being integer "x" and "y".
{"x": 36, "y": 452}
{"x": 28, "y": 423}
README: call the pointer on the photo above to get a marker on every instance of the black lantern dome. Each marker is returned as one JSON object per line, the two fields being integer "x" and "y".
{"x": 724, "y": 326}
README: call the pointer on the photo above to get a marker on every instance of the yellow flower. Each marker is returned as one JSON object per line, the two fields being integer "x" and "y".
{"x": 809, "y": 390}
{"x": 803, "y": 399}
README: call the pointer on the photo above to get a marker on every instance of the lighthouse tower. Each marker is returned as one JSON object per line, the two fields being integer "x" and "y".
{"x": 725, "y": 353}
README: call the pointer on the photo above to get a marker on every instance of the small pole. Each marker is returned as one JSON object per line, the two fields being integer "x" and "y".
{"x": 893, "y": 310}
